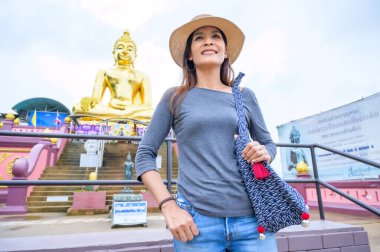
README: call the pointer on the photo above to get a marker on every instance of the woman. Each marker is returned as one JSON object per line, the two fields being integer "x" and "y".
{"x": 211, "y": 211}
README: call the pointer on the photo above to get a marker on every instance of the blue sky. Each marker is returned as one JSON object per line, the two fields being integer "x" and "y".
{"x": 300, "y": 57}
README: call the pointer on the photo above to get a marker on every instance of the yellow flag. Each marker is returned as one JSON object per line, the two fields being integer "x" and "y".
{"x": 34, "y": 118}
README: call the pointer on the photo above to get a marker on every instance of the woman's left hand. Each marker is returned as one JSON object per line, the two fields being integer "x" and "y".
{"x": 254, "y": 152}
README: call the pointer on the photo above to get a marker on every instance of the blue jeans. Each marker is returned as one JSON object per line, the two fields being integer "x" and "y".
{"x": 217, "y": 234}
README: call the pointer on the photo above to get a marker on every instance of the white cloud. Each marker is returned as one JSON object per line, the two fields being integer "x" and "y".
{"x": 156, "y": 62}
{"x": 131, "y": 15}
{"x": 70, "y": 81}
{"x": 266, "y": 56}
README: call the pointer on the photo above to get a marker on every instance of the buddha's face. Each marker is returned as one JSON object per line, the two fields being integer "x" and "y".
{"x": 124, "y": 53}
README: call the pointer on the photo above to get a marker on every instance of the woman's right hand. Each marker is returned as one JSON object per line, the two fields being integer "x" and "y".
{"x": 180, "y": 222}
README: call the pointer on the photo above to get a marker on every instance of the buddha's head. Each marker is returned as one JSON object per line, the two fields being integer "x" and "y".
{"x": 124, "y": 50}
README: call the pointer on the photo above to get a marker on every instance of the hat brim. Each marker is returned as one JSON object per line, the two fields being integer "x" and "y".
{"x": 235, "y": 37}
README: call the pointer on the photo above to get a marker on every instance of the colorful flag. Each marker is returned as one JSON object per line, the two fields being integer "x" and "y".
{"x": 57, "y": 122}
{"x": 34, "y": 119}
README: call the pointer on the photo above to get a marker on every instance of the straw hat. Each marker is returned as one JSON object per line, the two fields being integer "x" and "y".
{"x": 235, "y": 37}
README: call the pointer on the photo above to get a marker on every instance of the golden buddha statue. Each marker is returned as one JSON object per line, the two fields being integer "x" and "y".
{"x": 130, "y": 89}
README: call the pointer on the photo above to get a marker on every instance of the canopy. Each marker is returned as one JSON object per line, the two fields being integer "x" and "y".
{"x": 40, "y": 104}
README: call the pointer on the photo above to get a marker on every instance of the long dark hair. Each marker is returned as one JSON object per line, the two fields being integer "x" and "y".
{"x": 189, "y": 75}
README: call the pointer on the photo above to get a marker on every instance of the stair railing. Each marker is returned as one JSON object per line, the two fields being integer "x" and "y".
{"x": 318, "y": 182}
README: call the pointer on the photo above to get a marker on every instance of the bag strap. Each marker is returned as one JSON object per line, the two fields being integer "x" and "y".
{"x": 259, "y": 170}
{"x": 242, "y": 122}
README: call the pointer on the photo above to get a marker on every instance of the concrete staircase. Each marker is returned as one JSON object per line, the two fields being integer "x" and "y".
{"x": 52, "y": 198}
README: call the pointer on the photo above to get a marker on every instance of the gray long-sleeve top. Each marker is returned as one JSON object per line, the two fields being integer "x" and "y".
{"x": 204, "y": 126}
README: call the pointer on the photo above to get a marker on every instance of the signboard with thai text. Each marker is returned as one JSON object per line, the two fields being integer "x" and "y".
{"x": 129, "y": 213}
{"x": 352, "y": 128}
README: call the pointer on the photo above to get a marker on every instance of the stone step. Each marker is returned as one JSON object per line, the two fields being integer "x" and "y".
{"x": 108, "y": 189}
{"x": 43, "y": 198}
{"x": 47, "y": 209}
{"x": 70, "y": 163}
{"x": 104, "y": 169}
{"x": 44, "y": 203}
{"x": 68, "y": 203}
{"x": 77, "y": 188}
{"x": 78, "y": 168}
{"x": 56, "y": 188}
{"x": 81, "y": 170}
{"x": 84, "y": 176}
{"x": 68, "y": 172}
{"x": 76, "y": 163}
{"x": 104, "y": 166}
{"x": 36, "y": 195}
{"x": 101, "y": 171}
{"x": 67, "y": 168}
{"x": 44, "y": 194}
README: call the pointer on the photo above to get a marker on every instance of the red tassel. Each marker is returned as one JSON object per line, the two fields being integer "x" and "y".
{"x": 305, "y": 219}
{"x": 260, "y": 171}
{"x": 305, "y": 216}
{"x": 261, "y": 229}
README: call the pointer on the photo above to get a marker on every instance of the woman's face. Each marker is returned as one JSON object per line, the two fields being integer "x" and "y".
{"x": 207, "y": 47}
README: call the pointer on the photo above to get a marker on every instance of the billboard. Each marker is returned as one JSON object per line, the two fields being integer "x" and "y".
{"x": 352, "y": 128}
{"x": 46, "y": 119}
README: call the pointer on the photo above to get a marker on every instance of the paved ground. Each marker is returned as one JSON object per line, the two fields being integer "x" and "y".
{"x": 40, "y": 224}
{"x": 50, "y": 224}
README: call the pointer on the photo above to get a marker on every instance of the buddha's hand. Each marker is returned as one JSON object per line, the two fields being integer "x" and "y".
{"x": 87, "y": 103}
{"x": 119, "y": 104}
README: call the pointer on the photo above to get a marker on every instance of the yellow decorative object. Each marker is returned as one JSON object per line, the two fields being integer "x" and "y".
{"x": 54, "y": 140}
{"x": 9, "y": 168}
{"x": 47, "y": 130}
{"x": 4, "y": 156}
{"x": 130, "y": 89}
{"x": 92, "y": 176}
{"x": 1, "y": 124}
{"x": 16, "y": 121}
{"x": 1, "y": 178}
{"x": 10, "y": 116}
{"x": 302, "y": 167}
{"x": 67, "y": 120}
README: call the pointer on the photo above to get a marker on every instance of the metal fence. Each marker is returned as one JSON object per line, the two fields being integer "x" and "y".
{"x": 169, "y": 181}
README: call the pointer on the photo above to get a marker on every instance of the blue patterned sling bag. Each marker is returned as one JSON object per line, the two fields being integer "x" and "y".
{"x": 276, "y": 204}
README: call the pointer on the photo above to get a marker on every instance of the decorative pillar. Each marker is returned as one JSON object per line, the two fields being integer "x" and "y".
{"x": 16, "y": 200}
{"x": 7, "y": 124}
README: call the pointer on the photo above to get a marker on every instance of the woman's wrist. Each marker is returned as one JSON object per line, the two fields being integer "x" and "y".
{"x": 164, "y": 201}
